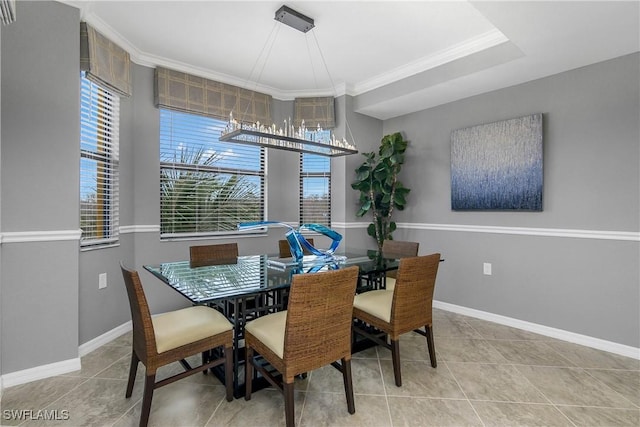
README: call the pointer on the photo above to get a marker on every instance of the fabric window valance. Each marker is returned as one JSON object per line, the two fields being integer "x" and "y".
{"x": 105, "y": 63}
{"x": 180, "y": 91}
{"x": 314, "y": 111}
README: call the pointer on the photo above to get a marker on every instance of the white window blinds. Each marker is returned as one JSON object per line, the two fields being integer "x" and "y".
{"x": 206, "y": 186}
{"x": 99, "y": 159}
{"x": 315, "y": 189}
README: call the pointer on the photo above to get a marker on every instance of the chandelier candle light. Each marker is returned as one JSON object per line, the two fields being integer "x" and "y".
{"x": 286, "y": 138}
{"x": 301, "y": 140}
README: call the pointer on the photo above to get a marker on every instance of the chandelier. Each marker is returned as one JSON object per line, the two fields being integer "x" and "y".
{"x": 288, "y": 137}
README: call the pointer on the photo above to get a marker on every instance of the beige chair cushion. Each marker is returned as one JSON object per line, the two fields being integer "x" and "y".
{"x": 376, "y": 303}
{"x": 180, "y": 327}
{"x": 270, "y": 331}
{"x": 391, "y": 283}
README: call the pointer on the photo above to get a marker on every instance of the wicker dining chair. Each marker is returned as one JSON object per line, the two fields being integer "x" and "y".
{"x": 285, "y": 250}
{"x": 398, "y": 249}
{"x": 314, "y": 331}
{"x": 407, "y": 308}
{"x": 225, "y": 253}
{"x": 171, "y": 337}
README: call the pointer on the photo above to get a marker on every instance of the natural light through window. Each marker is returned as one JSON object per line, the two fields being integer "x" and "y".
{"x": 206, "y": 186}
{"x": 99, "y": 163}
{"x": 315, "y": 189}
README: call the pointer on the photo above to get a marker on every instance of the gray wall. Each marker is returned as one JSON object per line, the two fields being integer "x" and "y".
{"x": 40, "y": 176}
{"x": 50, "y": 289}
{"x": 591, "y": 182}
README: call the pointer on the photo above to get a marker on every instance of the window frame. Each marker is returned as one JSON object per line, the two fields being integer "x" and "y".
{"x": 100, "y": 145}
{"x": 304, "y": 175}
{"x": 166, "y": 153}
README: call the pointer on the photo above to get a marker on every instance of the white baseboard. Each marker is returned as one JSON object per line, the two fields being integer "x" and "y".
{"x": 65, "y": 366}
{"x": 599, "y": 344}
{"x": 41, "y": 372}
{"x": 105, "y": 338}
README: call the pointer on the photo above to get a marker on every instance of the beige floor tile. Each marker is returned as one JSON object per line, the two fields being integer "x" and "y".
{"x": 511, "y": 378}
{"x": 95, "y": 402}
{"x": 495, "y": 331}
{"x": 178, "y": 404}
{"x": 627, "y": 383}
{"x": 413, "y": 346}
{"x": 586, "y": 357}
{"x": 494, "y": 382}
{"x": 467, "y": 350}
{"x": 330, "y": 410}
{"x": 365, "y": 376}
{"x": 448, "y": 326}
{"x": 124, "y": 340}
{"x": 100, "y": 359}
{"x": 34, "y": 396}
{"x": 502, "y": 414}
{"x": 536, "y": 353}
{"x": 419, "y": 379}
{"x": 266, "y": 408}
{"x": 602, "y": 417}
{"x": 572, "y": 386}
{"x": 411, "y": 411}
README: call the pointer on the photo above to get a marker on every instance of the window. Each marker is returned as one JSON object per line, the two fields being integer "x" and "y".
{"x": 206, "y": 186}
{"x": 99, "y": 127}
{"x": 315, "y": 189}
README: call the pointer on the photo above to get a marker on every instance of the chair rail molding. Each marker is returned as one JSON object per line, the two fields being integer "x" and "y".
{"x": 39, "y": 236}
{"x": 633, "y": 236}
{"x": 126, "y": 229}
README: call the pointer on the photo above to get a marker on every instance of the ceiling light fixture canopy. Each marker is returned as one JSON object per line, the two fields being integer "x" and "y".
{"x": 302, "y": 139}
{"x": 294, "y": 19}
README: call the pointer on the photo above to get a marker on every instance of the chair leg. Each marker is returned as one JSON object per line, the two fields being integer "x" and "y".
{"x": 289, "y": 409}
{"x": 248, "y": 372}
{"x": 205, "y": 359}
{"x": 133, "y": 370}
{"x": 228, "y": 371}
{"x": 395, "y": 356}
{"x": 430, "y": 344}
{"x": 348, "y": 385}
{"x": 149, "y": 384}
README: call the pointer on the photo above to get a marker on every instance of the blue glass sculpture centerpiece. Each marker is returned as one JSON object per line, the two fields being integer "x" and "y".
{"x": 297, "y": 242}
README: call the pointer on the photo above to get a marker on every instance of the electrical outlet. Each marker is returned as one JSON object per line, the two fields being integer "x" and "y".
{"x": 102, "y": 280}
{"x": 486, "y": 268}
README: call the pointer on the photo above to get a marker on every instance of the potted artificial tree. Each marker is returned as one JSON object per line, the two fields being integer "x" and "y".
{"x": 380, "y": 190}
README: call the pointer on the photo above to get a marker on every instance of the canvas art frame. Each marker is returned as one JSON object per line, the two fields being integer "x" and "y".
{"x": 498, "y": 166}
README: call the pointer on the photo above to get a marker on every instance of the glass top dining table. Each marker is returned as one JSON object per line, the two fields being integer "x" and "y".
{"x": 253, "y": 274}
{"x": 255, "y": 285}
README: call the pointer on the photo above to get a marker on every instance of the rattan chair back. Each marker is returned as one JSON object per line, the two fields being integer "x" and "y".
{"x": 399, "y": 249}
{"x": 319, "y": 317}
{"x": 225, "y": 253}
{"x": 144, "y": 340}
{"x": 413, "y": 293}
{"x": 284, "y": 251}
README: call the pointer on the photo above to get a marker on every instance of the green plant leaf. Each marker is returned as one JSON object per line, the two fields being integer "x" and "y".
{"x": 371, "y": 230}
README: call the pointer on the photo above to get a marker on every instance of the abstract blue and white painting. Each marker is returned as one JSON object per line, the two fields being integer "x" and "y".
{"x": 498, "y": 166}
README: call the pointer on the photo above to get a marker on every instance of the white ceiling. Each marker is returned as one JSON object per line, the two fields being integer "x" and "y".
{"x": 394, "y": 57}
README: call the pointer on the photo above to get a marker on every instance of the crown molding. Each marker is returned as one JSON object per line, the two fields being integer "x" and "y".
{"x": 460, "y": 50}
{"x": 468, "y": 47}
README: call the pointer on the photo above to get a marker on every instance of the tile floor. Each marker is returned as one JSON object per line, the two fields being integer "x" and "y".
{"x": 487, "y": 375}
